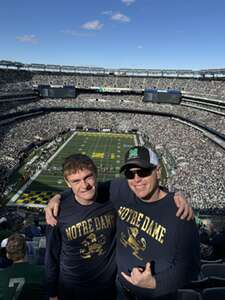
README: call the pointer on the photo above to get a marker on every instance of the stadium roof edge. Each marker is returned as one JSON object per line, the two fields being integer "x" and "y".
{"x": 120, "y": 71}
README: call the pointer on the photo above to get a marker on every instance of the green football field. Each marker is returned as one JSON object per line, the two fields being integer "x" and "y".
{"x": 106, "y": 149}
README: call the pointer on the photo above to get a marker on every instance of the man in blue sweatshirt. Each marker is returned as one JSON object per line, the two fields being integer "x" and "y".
{"x": 80, "y": 252}
{"x": 153, "y": 245}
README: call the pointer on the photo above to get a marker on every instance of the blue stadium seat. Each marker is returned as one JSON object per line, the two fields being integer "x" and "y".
{"x": 208, "y": 282}
{"x": 186, "y": 294}
{"x": 214, "y": 294}
{"x": 217, "y": 261}
{"x": 200, "y": 284}
{"x": 217, "y": 281}
{"x": 208, "y": 270}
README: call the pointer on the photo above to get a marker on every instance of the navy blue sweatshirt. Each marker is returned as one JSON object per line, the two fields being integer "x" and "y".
{"x": 151, "y": 232}
{"x": 81, "y": 248}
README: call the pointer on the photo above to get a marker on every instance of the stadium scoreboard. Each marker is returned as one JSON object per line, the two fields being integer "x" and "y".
{"x": 170, "y": 96}
{"x": 47, "y": 91}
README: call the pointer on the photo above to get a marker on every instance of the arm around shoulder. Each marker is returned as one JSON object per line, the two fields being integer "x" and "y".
{"x": 52, "y": 209}
{"x": 185, "y": 210}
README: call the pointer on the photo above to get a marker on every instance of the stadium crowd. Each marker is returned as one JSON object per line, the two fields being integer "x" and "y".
{"x": 17, "y": 80}
{"x": 209, "y": 88}
{"x": 207, "y": 118}
{"x": 200, "y": 172}
{"x": 200, "y": 164}
{"x": 13, "y": 81}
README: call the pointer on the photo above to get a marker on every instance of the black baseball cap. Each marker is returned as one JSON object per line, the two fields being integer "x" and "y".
{"x": 140, "y": 156}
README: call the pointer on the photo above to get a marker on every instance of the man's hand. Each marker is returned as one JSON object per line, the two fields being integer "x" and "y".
{"x": 184, "y": 209}
{"x": 51, "y": 211}
{"x": 141, "y": 278}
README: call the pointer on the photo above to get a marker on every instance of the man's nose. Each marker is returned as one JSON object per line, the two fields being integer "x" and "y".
{"x": 84, "y": 183}
{"x": 136, "y": 177}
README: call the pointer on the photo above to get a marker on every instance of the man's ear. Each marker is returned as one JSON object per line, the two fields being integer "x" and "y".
{"x": 158, "y": 172}
{"x": 68, "y": 184}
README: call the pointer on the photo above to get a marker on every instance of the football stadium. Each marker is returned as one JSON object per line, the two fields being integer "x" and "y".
{"x": 106, "y": 149}
{"x": 49, "y": 112}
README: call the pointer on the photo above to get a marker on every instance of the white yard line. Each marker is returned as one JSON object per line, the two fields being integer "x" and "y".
{"x": 141, "y": 140}
{"x": 32, "y": 178}
{"x": 135, "y": 140}
{"x": 28, "y": 205}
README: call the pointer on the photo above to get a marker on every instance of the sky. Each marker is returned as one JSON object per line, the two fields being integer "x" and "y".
{"x": 148, "y": 34}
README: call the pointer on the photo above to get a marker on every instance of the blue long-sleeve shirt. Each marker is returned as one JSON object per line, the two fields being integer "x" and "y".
{"x": 151, "y": 232}
{"x": 81, "y": 248}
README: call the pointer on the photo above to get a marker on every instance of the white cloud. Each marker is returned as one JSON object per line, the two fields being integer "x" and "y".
{"x": 92, "y": 25}
{"x": 107, "y": 12}
{"x": 140, "y": 47}
{"x": 27, "y": 38}
{"x": 72, "y": 32}
{"x": 128, "y": 2}
{"x": 120, "y": 18}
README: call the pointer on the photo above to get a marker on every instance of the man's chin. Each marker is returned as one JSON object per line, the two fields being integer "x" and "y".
{"x": 89, "y": 196}
{"x": 141, "y": 195}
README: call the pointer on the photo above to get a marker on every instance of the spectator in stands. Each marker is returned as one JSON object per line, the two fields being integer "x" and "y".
{"x": 5, "y": 229}
{"x": 153, "y": 246}
{"x": 80, "y": 256}
{"x": 205, "y": 248}
{"x": 31, "y": 229}
{"x": 217, "y": 241}
{"x": 169, "y": 250}
{"x": 20, "y": 280}
{"x": 4, "y": 261}
{"x": 212, "y": 241}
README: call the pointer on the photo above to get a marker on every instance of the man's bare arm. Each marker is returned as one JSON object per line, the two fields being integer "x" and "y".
{"x": 52, "y": 209}
{"x": 184, "y": 211}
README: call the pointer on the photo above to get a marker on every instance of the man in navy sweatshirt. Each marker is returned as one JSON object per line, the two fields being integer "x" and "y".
{"x": 157, "y": 253}
{"x": 80, "y": 252}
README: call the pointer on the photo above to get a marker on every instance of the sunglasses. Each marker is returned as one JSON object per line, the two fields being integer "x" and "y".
{"x": 130, "y": 174}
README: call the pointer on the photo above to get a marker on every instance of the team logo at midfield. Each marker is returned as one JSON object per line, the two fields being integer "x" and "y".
{"x": 130, "y": 240}
{"x": 92, "y": 245}
{"x": 133, "y": 153}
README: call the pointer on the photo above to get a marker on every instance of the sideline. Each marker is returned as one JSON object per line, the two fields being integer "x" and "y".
{"x": 32, "y": 178}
